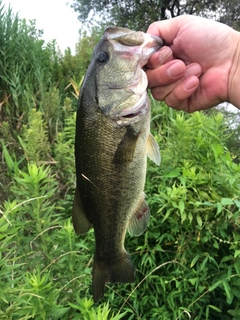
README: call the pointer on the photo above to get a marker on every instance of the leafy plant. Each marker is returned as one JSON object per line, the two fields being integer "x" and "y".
{"x": 35, "y": 146}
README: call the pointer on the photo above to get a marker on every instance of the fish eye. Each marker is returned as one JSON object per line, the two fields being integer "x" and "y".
{"x": 103, "y": 57}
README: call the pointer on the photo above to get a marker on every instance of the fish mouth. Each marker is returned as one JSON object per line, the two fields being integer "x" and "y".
{"x": 124, "y": 96}
{"x": 143, "y": 46}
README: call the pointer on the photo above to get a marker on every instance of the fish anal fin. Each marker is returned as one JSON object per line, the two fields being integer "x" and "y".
{"x": 139, "y": 220}
{"x": 153, "y": 150}
{"x": 81, "y": 223}
{"x": 126, "y": 148}
{"x": 121, "y": 270}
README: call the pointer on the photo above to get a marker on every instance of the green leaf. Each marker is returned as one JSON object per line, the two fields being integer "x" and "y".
{"x": 215, "y": 285}
{"x": 199, "y": 220}
{"x": 227, "y": 288}
{"x": 181, "y": 206}
{"x": 226, "y": 201}
{"x": 217, "y": 149}
{"x": 216, "y": 245}
{"x": 166, "y": 215}
{"x": 194, "y": 260}
{"x": 237, "y": 202}
{"x": 183, "y": 216}
{"x": 75, "y": 306}
{"x": 215, "y": 308}
{"x": 190, "y": 217}
{"x": 219, "y": 207}
{"x": 193, "y": 280}
{"x": 236, "y": 253}
{"x": 174, "y": 173}
{"x": 118, "y": 316}
{"x": 226, "y": 258}
{"x": 59, "y": 312}
{"x": 4, "y": 227}
{"x": 235, "y": 313}
{"x": 204, "y": 263}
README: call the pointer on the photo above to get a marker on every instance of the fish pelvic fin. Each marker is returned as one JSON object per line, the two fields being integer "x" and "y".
{"x": 121, "y": 270}
{"x": 139, "y": 220}
{"x": 81, "y": 223}
{"x": 153, "y": 152}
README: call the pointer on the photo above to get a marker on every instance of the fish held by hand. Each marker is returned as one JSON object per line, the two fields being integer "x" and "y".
{"x": 112, "y": 143}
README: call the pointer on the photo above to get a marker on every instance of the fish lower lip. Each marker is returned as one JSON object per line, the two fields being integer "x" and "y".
{"x": 136, "y": 109}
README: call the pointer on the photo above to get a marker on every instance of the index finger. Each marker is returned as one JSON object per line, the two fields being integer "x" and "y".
{"x": 160, "y": 57}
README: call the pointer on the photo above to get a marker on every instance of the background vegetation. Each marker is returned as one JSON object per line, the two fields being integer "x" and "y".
{"x": 138, "y": 15}
{"x": 188, "y": 261}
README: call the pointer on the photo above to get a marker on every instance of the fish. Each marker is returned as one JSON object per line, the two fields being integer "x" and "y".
{"x": 112, "y": 143}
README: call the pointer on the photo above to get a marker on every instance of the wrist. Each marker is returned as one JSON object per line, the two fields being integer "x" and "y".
{"x": 234, "y": 74}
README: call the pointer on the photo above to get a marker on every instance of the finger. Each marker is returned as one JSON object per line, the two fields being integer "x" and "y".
{"x": 166, "y": 74}
{"x": 193, "y": 69}
{"x": 181, "y": 93}
{"x": 178, "y": 96}
{"x": 160, "y": 57}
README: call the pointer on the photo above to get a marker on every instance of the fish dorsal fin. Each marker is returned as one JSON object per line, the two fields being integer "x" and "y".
{"x": 80, "y": 221}
{"x": 126, "y": 148}
{"x": 153, "y": 152}
{"x": 139, "y": 220}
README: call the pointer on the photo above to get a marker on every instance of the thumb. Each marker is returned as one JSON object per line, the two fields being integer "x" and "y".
{"x": 166, "y": 29}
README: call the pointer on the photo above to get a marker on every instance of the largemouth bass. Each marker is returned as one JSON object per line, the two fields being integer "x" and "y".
{"x": 112, "y": 143}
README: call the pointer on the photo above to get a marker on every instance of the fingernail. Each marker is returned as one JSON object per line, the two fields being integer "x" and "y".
{"x": 193, "y": 70}
{"x": 164, "y": 54}
{"x": 190, "y": 83}
{"x": 175, "y": 70}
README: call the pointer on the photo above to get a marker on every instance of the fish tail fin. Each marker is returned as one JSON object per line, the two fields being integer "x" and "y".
{"x": 121, "y": 270}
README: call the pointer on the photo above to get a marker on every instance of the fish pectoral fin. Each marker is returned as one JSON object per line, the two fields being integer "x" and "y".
{"x": 122, "y": 270}
{"x": 153, "y": 152}
{"x": 81, "y": 223}
{"x": 126, "y": 148}
{"x": 139, "y": 220}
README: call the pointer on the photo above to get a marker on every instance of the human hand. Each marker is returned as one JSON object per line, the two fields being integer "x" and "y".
{"x": 200, "y": 68}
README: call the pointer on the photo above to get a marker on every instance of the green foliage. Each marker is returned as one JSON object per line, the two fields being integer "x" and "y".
{"x": 65, "y": 162}
{"x": 85, "y": 306}
{"x": 34, "y": 138}
{"x": 138, "y": 15}
{"x": 232, "y": 122}
{"x": 187, "y": 261}
{"x": 73, "y": 67}
{"x": 192, "y": 243}
{"x": 51, "y": 107}
{"x": 31, "y": 229}
{"x": 84, "y": 49}
{"x": 25, "y": 66}
{"x": 229, "y": 14}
